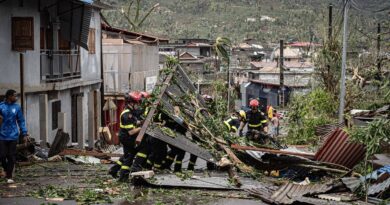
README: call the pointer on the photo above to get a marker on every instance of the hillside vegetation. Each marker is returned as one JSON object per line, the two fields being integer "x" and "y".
{"x": 302, "y": 20}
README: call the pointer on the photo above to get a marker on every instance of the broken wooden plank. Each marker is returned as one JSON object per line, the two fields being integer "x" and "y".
{"x": 149, "y": 118}
{"x": 272, "y": 151}
{"x": 60, "y": 142}
{"x": 88, "y": 153}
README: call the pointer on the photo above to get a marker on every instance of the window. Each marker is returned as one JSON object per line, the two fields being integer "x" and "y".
{"x": 62, "y": 43}
{"x": 91, "y": 41}
{"x": 22, "y": 33}
{"x": 56, "y": 108}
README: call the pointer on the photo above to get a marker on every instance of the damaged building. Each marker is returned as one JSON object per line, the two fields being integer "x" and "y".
{"x": 51, "y": 54}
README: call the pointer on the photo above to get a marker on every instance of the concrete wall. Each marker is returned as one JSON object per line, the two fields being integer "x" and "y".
{"x": 290, "y": 78}
{"x": 65, "y": 96}
{"x": 90, "y": 63}
{"x": 127, "y": 65}
{"x": 10, "y": 75}
{"x": 10, "y": 66}
{"x": 193, "y": 51}
{"x": 10, "y": 60}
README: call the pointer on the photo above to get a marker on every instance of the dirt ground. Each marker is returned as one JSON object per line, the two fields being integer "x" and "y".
{"x": 47, "y": 183}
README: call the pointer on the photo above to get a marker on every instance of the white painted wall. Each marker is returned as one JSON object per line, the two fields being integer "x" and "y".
{"x": 122, "y": 59}
{"x": 10, "y": 66}
{"x": 90, "y": 63}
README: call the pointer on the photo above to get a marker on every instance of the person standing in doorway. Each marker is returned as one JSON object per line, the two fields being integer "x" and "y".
{"x": 13, "y": 125}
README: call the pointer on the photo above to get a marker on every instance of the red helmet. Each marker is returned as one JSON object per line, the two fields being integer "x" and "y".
{"x": 133, "y": 97}
{"x": 254, "y": 103}
{"x": 145, "y": 94}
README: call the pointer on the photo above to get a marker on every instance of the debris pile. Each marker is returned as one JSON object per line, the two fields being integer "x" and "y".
{"x": 274, "y": 173}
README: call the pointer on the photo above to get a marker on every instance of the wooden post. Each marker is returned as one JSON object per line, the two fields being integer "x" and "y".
{"x": 21, "y": 57}
{"x": 91, "y": 120}
{"x": 62, "y": 121}
{"x": 154, "y": 107}
{"x": 330, "y": 22}
{"x": 80, "y": 127}
{"x": 43, "y": 119}
{"x": 378, "y": 48}
{"x": 281, "y": 73}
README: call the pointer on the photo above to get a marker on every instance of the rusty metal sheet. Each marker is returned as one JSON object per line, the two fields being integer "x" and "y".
{"x": 288, "y": 193}
{"x": 337, "y": 149}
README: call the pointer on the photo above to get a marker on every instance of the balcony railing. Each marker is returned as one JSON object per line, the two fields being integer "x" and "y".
{"x": 60, "y": 65}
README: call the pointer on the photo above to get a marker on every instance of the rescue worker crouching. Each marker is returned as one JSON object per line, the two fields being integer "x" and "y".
{"x": 233, "y": 123}
{"x": 255, "y": 119}
{"x": 129, "y": 129}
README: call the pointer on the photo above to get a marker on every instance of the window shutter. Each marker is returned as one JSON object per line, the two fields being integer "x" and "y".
{"x": 22, "y": 33}
{"x": 62, "y": 43}
{"x": 91, "y": 41}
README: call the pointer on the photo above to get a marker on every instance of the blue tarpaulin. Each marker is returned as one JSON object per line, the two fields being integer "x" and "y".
{"x": 87, "y": 1}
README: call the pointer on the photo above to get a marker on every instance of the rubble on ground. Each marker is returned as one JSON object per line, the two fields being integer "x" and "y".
{"x": 274, "y": 175}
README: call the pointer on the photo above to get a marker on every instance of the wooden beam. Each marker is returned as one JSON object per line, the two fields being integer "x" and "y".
{"x": 88, "y": 153}
{"x": 154, "y": 107}
{"x": 272, "y": 151}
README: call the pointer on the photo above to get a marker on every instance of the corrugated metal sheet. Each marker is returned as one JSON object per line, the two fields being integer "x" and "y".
{"x": 337, "y": 149}
{"x": 182, "y": 142}
{"x": 377, "y": 188}
{"x": 325, "y": 129}
{"x": 288, "y": 193}
{"x": 352, "y": 183}
{"x": 315, "y": 201}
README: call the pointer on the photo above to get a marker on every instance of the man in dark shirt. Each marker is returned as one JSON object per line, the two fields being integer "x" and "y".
{"x": 127, "y": 136}
{"x": 255, "y": 119}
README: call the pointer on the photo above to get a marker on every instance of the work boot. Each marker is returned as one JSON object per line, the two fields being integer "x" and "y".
{"x": 123, "y": 177}
{"x": 148, "y": 165}
{"x": 177, "y": 167}
{"x": 113, "y": 171}
{"x": 211, "y": 166}
{"x": 191, "y": 167}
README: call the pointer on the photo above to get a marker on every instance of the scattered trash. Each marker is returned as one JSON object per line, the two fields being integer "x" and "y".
{"x": 83, "y": 159}
{"x": 55, "y": 199}
{"x": 304, "y": 182}
{"x": 144, "y": 174}
{"x": 224, "y": 162}
{"x": 55, "y": 158}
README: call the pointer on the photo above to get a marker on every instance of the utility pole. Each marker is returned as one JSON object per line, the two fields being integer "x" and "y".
{"x": 343, "y": 63}
{"x": 228, "y": 87}
{"x": 378, "y": 48}
{"x": 330, "y": 22}
{"x": 281, "y": 73}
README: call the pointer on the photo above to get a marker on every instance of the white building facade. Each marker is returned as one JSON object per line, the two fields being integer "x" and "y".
{"x": 51, "y": 52}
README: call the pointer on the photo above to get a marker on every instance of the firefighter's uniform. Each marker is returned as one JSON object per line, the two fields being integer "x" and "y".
{"x": 127, "y": 123}
{"x": 256, "y": 120}
{"x": 232, "y": 124}
{"x": 175, "y": 155}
